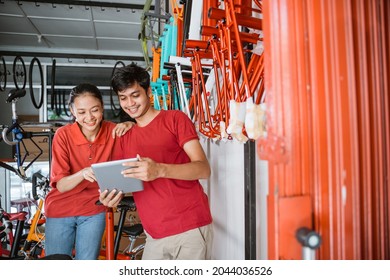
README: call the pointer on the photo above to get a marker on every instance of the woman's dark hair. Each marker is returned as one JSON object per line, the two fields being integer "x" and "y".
{"x": 83, "y": 89}
{"x": 128, "y": 76}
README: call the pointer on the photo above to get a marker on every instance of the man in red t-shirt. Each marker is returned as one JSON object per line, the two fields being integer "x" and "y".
{"x": 173, "y": 207}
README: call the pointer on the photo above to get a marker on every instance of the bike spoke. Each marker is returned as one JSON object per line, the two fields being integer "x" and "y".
{"x": 19, "y": 73}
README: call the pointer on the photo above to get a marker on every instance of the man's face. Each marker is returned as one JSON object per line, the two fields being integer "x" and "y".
{"x": 134, "y": 101}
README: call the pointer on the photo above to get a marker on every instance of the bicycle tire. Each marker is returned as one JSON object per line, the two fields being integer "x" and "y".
{"x": 115, "y": 110}
{"x": 64, "y": 107}
{"x": 54, "y": 103}
{"x": 30, "y": 80}
{"x": 19, "y": 76}
{"x": 3, "y": 74}
{"x": 53, "y": 72}
{"x": 57, "y": 103}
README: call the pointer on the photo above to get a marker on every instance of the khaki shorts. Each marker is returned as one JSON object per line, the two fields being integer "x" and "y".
{"x": 194, "y": 244}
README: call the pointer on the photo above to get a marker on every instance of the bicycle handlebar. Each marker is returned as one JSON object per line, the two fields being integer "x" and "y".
{"x": 35, "y": 178}
{"x": 23, "y": 134}
{"x": 4, "y": 136}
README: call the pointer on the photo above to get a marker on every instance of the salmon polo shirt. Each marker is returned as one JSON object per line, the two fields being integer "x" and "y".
{"x": 71, "y": 152}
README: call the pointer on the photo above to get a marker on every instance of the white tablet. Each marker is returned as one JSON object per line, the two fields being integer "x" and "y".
{"x": 109, "y": 177}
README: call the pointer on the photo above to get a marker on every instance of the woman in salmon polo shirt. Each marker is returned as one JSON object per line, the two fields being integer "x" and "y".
{"x": 74, "y": 221}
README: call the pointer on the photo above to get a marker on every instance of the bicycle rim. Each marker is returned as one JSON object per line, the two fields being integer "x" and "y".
{"x": 3, "y": 74}
{"x": 54, "y": 103}
{"x": 64, "y": 105}
{"x": 30, "y": 78}
{"x": 19, "y": 72}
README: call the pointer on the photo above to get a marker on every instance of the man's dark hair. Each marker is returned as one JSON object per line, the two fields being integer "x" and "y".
{"x": 128, "y": 76}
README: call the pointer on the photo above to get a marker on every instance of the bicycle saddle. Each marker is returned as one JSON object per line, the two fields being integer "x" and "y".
{"x": 134, "y": 230}
{"x": 15, "y": 93}
{"x": 127, "y": 203}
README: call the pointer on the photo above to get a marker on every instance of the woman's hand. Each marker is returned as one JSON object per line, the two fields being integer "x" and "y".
{"x": 111, "y": 199}
{"x": 121, "y": 128}
{"x": 88, "y": 174}
{"x": 70, "y": 182}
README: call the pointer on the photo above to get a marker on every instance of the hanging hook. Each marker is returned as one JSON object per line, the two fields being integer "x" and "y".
{"x": 70, "y": 7}
{"x": 87, "y": 8}
{"x": 53, "y": 5}
{"x": 36, "y": 4}
{"x": 69, "y": 60}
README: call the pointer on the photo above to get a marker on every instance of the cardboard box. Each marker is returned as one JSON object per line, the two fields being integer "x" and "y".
{"x": 28, "y": 118}
{"x": 30, "y": 149}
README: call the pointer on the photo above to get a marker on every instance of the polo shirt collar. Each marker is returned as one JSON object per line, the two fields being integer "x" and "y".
{"x": 79, "y": 138}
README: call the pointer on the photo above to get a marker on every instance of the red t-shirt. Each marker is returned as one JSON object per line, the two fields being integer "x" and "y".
{"x": 71, "y": 152}
{"x": 166, "y": 206}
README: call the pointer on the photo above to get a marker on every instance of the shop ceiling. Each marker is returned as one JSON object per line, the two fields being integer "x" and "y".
{"x": 72, "y": 31}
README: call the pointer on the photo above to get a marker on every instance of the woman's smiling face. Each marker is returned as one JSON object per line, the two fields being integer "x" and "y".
{"x": 88, "y": 111}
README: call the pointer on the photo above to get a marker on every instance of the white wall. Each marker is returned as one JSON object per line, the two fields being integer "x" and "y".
{"x": 226, "y": 192}
{"x": 261, "y": 214}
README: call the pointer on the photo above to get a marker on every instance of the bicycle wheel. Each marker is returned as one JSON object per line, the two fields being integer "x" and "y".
{"x": 54, "y": 102}
{"x": 64, "y": 103}
{"x": 3, "y": 74}
{"x": 115, "y": 110}
{"x": 53, "y": 73}
{"x": 19, "y": 73}
{"x": 57, "y": 102}
{"x": 30, "y": 80}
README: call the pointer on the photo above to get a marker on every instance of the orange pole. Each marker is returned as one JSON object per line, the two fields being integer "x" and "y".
{"x": 109, "y": 234}
{"x": 243, "y": 20}
{"x": 206, "y": 21}
{"x": 33, "y": 235}
{"x": 156, "y": 64}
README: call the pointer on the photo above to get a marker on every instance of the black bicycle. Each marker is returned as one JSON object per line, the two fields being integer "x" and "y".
{"x": 19, "y": 136}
